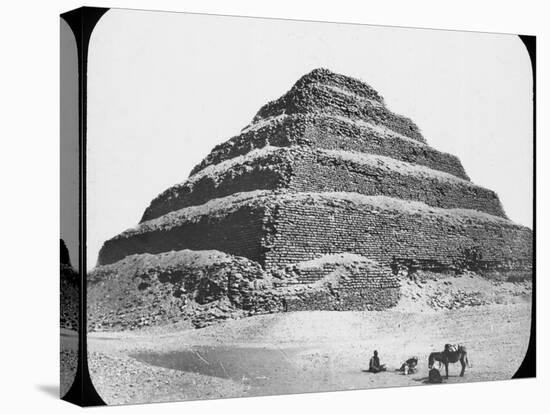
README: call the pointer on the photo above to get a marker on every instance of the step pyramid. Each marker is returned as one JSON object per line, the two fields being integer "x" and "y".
{"x": 326, "y": 170}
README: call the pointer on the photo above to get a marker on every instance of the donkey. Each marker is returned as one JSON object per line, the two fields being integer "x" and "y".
{"x": 450, "y": 355}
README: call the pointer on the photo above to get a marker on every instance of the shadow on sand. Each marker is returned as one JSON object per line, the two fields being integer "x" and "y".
{"x": 51, "y": 390}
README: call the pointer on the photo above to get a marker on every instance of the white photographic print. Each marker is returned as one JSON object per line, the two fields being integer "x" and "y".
{"x": 278, "y": 207}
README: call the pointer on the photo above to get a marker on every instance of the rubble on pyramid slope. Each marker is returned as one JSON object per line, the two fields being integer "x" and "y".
{"x": 144, "y": 290}
{"x": 202, "y": 287}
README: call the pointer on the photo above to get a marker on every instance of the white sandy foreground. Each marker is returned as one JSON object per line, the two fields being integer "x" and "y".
{"x": 314, "y": 351}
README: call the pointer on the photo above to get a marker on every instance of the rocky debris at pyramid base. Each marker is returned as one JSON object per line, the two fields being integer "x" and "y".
{"x": 69, "y": 289}
{"x": 206, "y": 286}
{"x": 327, "y": 200}
{"x": 69, "y": 297}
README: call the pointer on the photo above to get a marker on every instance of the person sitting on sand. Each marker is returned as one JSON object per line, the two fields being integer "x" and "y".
{"x": 434, "y": 376}
{"x": 374, "y": 364}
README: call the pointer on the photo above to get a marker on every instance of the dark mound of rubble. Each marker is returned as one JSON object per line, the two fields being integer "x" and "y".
{"x": 69, "y": 288}
{"x": 203, "y": 287}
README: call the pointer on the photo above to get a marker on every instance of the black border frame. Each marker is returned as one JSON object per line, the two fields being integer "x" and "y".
{"x": 528, "y": 368}
{"x": 82, "y": 22}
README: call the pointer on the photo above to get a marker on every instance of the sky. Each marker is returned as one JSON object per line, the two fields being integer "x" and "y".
{"x": 165, "y": 88}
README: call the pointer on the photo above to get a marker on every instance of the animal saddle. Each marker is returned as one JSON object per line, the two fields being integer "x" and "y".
{"x": 452, "y": 348}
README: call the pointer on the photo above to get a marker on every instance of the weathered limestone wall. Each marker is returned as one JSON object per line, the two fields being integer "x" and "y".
{"x": 238, "y": 233}
{"x": 278, "y": 229}
{"x": 349, "y": 284}
{"x": 283, "y": 131}
{"x": 301, "y": 169}
{"x": 332, "y": 99}
{"x": 340, "y": 133}
{"x": 329, "y": 132}
{"x": 375, "y": 175}
{"x": 268, "y": 168}
{"x": 388, "y": 230}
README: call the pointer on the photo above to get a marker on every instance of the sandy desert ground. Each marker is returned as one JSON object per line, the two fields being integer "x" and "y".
{"x": 304, "y": 352}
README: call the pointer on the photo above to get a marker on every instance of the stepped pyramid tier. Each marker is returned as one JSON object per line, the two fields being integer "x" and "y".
{"x": 277, "y": 229}
{"x": 300, "y": 169}
{"x": 328, "y": 170}
{"x": 330, "y": 111}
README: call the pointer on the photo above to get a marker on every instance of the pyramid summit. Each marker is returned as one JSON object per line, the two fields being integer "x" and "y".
{"x": 328, "y": 171}
{"x": 325, "y": 110}
{"x": 322, "y": 91}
